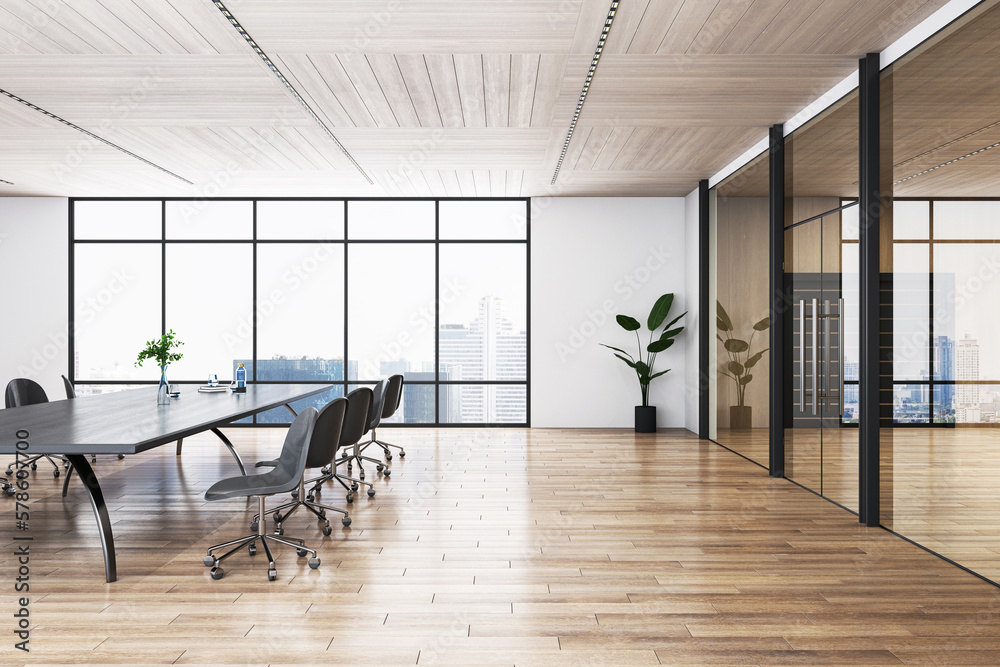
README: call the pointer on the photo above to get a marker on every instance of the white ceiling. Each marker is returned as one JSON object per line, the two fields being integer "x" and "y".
{"x": 431, "y": 98}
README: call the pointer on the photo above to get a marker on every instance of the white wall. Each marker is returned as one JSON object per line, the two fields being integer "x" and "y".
{"x": 34, "y": 300}
{"x": 591, "y": 259}
{"x": 691, "y": 379}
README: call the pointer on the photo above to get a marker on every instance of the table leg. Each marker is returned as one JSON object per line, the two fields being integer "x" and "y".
{"x": 69, "y": 474}
{"x": 292, "y": 410}
{"x": 89, "y": 480}
{"x": 232, "y": 450}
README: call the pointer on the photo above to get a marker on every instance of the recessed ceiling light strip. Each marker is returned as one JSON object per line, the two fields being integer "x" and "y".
{"x": 91, "y": 135}
{"x": 281, "y": 77}
{"x": 586, "y": 86}
{"x": 5, "y": 182}
{"x": 950, "y": 143}
{"x": 945, "y": 164}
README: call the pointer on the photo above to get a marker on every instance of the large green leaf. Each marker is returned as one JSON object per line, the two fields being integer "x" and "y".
{"x": 752, "y": 361}
{"x": 670, "y": 333}
{"x": 656, "y": 375}
{"x": 725, "y": 323}
{"x": 617, "y": 349}
{"x": 642, "y": 368}
{"x": 659, "y": 345}
{"x": 674, "y": 321}
{"x": 659, "y": 311}
{"x": 628, "y": 323}
{"x": 763, "y": 325}
{"x": 736, "y": 345}
{"x": 746, "y": 379}
{"x": 736, "y": 368}
{"x": 627, "y": 361}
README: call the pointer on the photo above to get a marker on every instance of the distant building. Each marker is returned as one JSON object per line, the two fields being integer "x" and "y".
{"x": 967, "y": 370}
{"x": 944, "y": 369}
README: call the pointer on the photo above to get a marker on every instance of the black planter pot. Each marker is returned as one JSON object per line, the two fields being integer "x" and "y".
{"x": 645, "y": 419}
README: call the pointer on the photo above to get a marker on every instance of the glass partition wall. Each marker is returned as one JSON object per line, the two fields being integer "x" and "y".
{"x": 821, "y": 298}
{"x": 318, "y": 291}
{"x": 740, "y": 222}
{"x": 940, "y": 442}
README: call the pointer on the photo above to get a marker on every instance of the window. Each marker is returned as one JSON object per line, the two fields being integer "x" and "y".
{"x": 315, "y": 291}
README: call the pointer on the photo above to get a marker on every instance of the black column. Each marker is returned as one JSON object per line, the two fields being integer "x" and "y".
{"x": 705, "y": 313}
{"x": 779, "y": 309}
{"x": 869, "y": 231}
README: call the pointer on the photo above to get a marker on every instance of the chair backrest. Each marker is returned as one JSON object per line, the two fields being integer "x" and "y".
{"x": 326, "y": 434}
{"x": 294, "y": 451}
{"x": 359, "y": 404}
{"x": 378, "y": 401}
{"x": 22, "y": 391}
{"x": 68, "y": 386}
{"x": 393, "y": 396}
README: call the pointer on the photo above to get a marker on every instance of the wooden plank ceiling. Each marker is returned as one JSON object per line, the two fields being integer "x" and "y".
{"x": 432, "y": 98}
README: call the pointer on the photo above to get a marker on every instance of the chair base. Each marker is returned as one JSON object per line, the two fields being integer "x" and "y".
{"x": 310, "y": 504}
{"x": 213, "y": 561}
{"x": 385, "y": 447}
{"x": 33, "y": 463}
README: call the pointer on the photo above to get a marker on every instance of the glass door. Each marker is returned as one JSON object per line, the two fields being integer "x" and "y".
{"x": 821, "y": 435}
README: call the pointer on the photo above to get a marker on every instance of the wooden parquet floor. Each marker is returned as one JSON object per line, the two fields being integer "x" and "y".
{"x": 494, "y": 547}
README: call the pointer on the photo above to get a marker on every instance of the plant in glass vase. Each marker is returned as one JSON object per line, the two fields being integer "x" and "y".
{"x": 160, "y": 350}
{"x": 742, "y": 359}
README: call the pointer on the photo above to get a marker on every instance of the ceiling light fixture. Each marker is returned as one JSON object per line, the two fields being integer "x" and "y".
{"x": 91, "y": 135}
{"x": 281, "y": 77}
{"x": 5, "y": 182}
{"x": 949, "y": 143}
{"x": 586, "y": 87}
{"x": 945, "y": 164}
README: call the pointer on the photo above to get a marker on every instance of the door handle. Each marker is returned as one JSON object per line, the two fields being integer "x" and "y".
{"x": 815, "y": 358}
{"x": 802, "y": 355}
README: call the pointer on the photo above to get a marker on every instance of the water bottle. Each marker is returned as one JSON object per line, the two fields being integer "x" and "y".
{"x": 241, "y": 378}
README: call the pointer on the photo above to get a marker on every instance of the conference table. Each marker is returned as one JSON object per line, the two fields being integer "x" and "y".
{"x": 130, "y": 422}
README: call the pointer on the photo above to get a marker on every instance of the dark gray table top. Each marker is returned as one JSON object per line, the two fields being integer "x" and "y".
{"x": 128, "y": 422}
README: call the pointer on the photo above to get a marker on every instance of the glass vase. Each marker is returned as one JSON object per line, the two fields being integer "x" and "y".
{"x": 163, "y": 391}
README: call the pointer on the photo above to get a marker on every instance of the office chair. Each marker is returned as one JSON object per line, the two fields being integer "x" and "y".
{"x": 21, "y": 392}
{"x": 374, "y": 418}
{"x": 393, "y": 398}
{"x": 359, "y": 406}
{"x": 285, "y": 476}
{"x": 322, "y": 450}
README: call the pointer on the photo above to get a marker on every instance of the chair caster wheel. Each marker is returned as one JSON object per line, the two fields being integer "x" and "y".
{"x": 388, "y": 472}
{"x": 402, "y": 455}
{"x": 218, "y": 573}
{"x": 354, "y": 486}
{"x": 379, "y": 467}
{"x": 210, "y": 561}
{"x": 277, "y": 518}
{"x": 9, "y": 471}
{"x": 121, "y": 456}
{"x": 34, "y": 466}
{"x": 346, "y": 521}
{"x": 350, "y": 497}
{"x": 327, "y": 530}
{"x": 314, "y": 562}
{"x": 301, "y": 552}
{"x": 278, "y": 530}
{"x": 254, "y": 526}
{"x": 272, "y": 574}
{"x": 361, "y": 475}
{"x": 9, "y": 490}
{"x": 252, "y": 549}
{"x": 310, "y": 499}
{"x": 93, "y": 459}
{"x": 322, "y": 514}
{"x": 55, "y": 473}
{"x": 371, "y": 492}
{"x": 388, "y": 457}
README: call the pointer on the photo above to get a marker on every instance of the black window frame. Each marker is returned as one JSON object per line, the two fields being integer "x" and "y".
{"x": 346, "y": 242}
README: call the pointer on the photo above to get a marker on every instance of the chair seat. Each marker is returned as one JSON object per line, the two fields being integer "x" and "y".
{"x": 266, "y": 464}
{"x": 269, "y": 483}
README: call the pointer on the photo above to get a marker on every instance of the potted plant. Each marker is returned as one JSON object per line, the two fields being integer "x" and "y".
{"x": 642, "y": 364}
{"x": 742, "y": 359}
{"x": 160, "y": 351}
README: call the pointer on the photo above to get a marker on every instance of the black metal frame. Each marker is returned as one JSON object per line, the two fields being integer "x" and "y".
{"x": 779, "y": 305}
{"x": 869, "y": 230}
{"x": 705, "y": 316}
{"x": 163, "y": 241}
